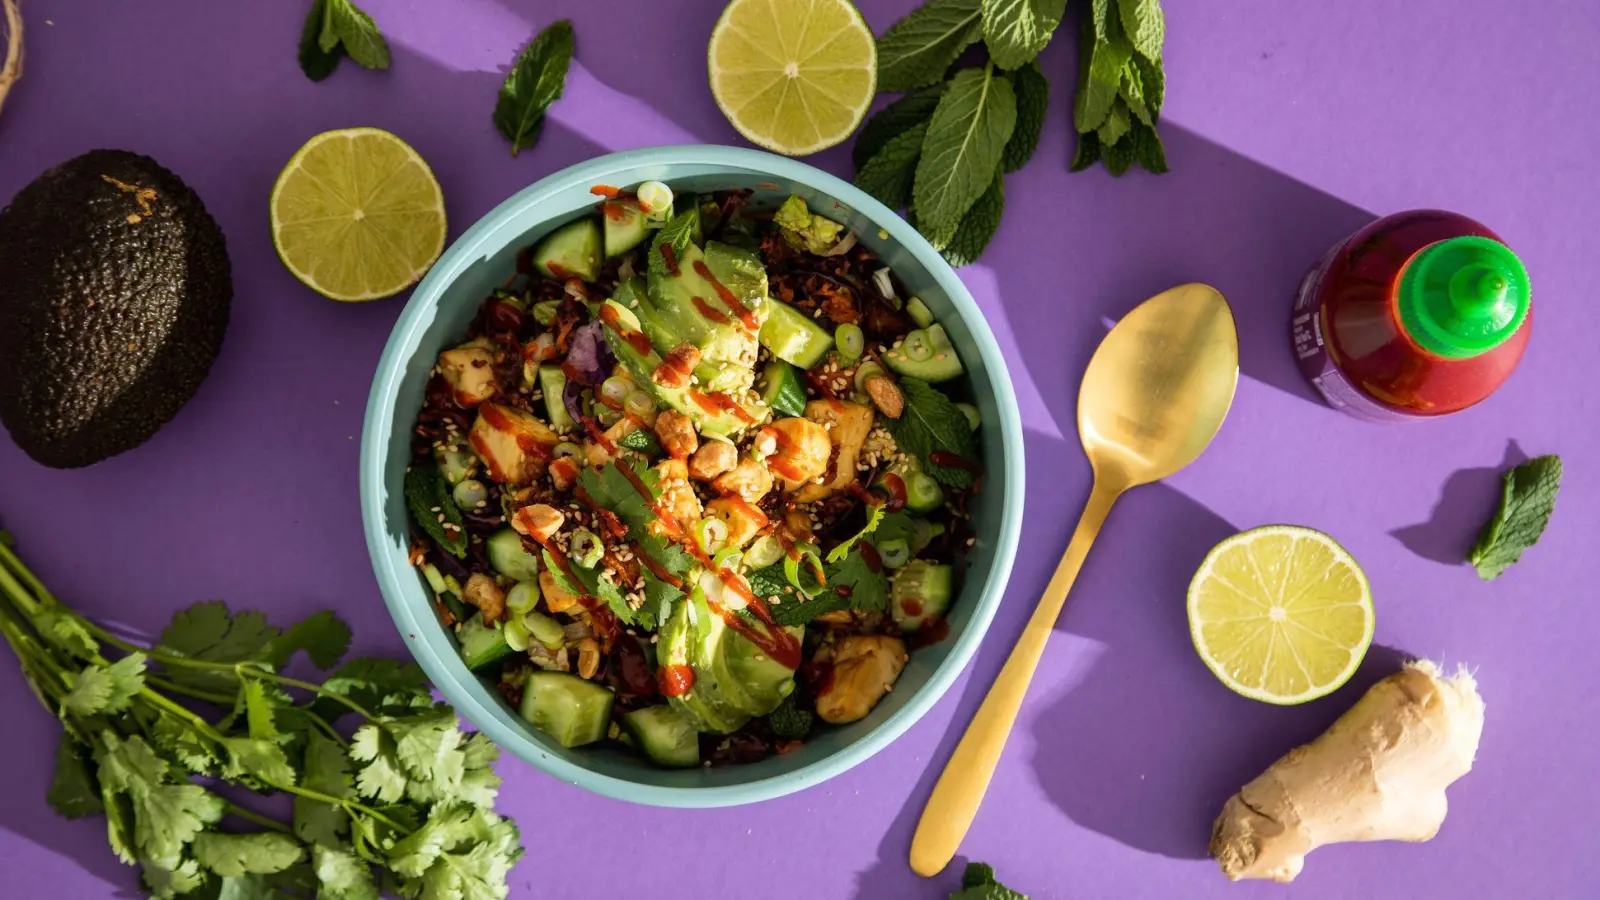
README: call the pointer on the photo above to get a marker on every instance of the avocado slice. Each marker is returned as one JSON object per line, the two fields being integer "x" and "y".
{"x": 704, "y": 705}
{"x": 620, "y": 323}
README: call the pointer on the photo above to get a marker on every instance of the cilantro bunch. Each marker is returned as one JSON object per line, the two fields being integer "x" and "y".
{"x": 387, "y": 791}
{"x": 945, "y": 147}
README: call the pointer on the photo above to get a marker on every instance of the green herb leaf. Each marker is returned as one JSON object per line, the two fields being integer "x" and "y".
{"x": 875, "y": 514}
{"x": 177, "y": 739}
{"x": 429, "y": 746}
{"x": 479, "y": 785}
{"x": 206, "y": 631}
{"x": 535, "y": 81}
{"x": 1118, "y": 157}
{"x": 165, "y": 882}
{"x": 930, "y": 423}
{"x": 912, "y": 109}
{"x": 64, "y": 630}
{"x": 322, "y": 635}
{"x": 1147, "y": 149}
{"x": 262, "y": 853}
{"x": 864, "y": 590}
{"x": 1088, "y": 152}
{"x": 316, "y": 62}
{"x": 73, "y": 793}
{"x": 256, "y": 761}
{"x": 260, "y": 711}
{"x": 375, "y": 685}
{"x": 341, "y": 875}
{"x": 659, "y": 598}
{"x": 1145, "y": 25}
{"x": 383, "y": 777}
{"x": 797, "y": 609}
{"x": 888, "y": 176}
{"x": 327, "y": 771}
{"x": 355, "y": 31}
{"x": 642, "y": 441}
{"x": 101, "y": 689}
{"x": 1101, "y": 79}
{"x": 1117, "y": 123}
{"x": 1133, "y": 94}
{"x": 977, "y": 228}
{"x": 769, "y": 582}
{"x": 166, "y": 817}
{"x": 428, "y": 498}
{"x": 1152, "y": 84}
{"x": 961, "y": 152}
{"x": 790, "y": 720}
{"x": 978, "y": 883}
{"x": 1526, "y": 502}
{"x": 1016, "y": 30}
{"x": 1033, "y": 105}
{"x": 917, "y": 50}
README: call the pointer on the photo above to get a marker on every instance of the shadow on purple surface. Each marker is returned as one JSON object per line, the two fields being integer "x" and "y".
{"x": 1466, "y": 501}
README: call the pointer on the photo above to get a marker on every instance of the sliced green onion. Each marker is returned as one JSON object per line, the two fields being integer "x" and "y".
{"x": 867, "y": 370}
{"x": 895, "y": 553}
{"x": 516, "y": 635}
{"x": 764, "y": 552}
{"x": 711, "y": 533}
{"x": 545, "y": 630}
{"x": 639, "y": 404}
{"x": 470, "y": 494}
{"x": 567, "y": 449}
{"x": 655, "y": 201}
{"x": 971, "y": 412}
{"x": 923, "y": 492}
{"x": 850, "y": 340}
{"x": 614, "y": 391}
{"x": 919, "y": 312}
{"x": 435, "y": 580}
{"x": 727, "y": 558}
{"x": 917, "y": 346}
{"x": 544, "y": 312}
{"x": 607, "y": 416}
{"x": 813, "y": 559}
{"x": 523, "y": 597}
{"x": 452, "y": 586}
{"x": 585, "y": 548}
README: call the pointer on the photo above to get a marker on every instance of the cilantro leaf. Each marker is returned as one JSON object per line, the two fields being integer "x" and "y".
{"x": 961, "y": 152}
{"x": 341, "y": 875}
{"x": 888, "y": 176}
{"x": 1016, "y": 30}
{"x": 896, "y": 526}
{"x": 256, "y": 761}
{"x": 875, "y": 514}
{"x": 73, "y": 792}
{"x": 206, "y": 631}
{"x": 536, "y": 81}
{"x": 1527, "y": 499}
{"x": 166, "y": 817}
{"x": 868, "y": 588}
{"x": 428, "y": 498}
{"x": 978, "y": 883}
{"x": 322, "y": 635}
{"x": 260, "y": 708}
{"x": 262, "y": 853}
{"x": 178, "y": 740}
{"x": 350, "y": 28}
{"x": 383, "y": 777}
{"x": 165, "y": 882}
{"x": 919, "y": 48}
{"x": 790, "y": 720}
{"x": 327, "y": 771}
{"x": 977, "y": 228}
{"x": 1145, "y": 25}
{"x": 109, "y": 689}
{"x": 65, "y": 631}
{"x": 1033, "y": 104}
{"x": 931, "y": 423}
{"x": 898, "y": 117}
{"x": 429, "y": 746}
{"x": 659, "y": 598}
{"x": 316, "y": 62}
{"x": 375, "y": 685}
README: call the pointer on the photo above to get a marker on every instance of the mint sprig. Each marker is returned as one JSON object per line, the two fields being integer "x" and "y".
{"x": 335, "y": 29}
{"x": 1528, "y": 497}
{"x": 535, "y": 82}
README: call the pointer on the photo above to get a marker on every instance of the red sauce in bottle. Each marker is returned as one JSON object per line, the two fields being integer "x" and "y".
{"x": 1421, "y": 313}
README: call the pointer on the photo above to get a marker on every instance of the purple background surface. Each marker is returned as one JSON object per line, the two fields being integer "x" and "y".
{"x": 1287, "y": 126}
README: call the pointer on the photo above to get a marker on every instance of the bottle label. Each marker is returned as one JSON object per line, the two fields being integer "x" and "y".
{"x": 1311, "y": 352}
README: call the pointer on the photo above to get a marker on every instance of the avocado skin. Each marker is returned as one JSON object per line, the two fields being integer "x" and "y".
{"x": 107, "y": 325}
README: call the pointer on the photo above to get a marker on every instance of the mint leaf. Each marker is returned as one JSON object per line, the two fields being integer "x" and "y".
{"x": 351, "y": 28}
{"x": 1033, "y": 105}
{"x": 262, "y": 853}
{"x": 1147, "y": 149}
{"x": 769, "y": 582}
{"x": 341, "y": 875}
{"x": 790, "y": 720}
{"x": 536, "y": 81}
{"x": 917, "y": 50}
{"x": 940, "y": 237}
{"x": 641, "y": 441}
{"x": 1145, "y": 25}
{"x": 1133, "y": 94}
{"x": 912, "y": 109}
{"x": 73, "y": 793}
{"x": 316, "y": 62}
{"x": 888, "y": 176}
{"x": 1152, "y": 84}
{"x": 428, "y": 499}
{"x": 932, "y": 423}
{"x": 1117, "y": 123}
{"x": 1101, "y": 79}
{"x": 978, "y": 883}
{"x": 327, "y": 771}
{"x": 322, "y": 635}
{"x": 1118, "y": 157}
{"x": 1526, "y": 502}
{"x": 978, "y": 226}
{"x": 1016, "y": 30}
{"x": 105, "y": 690}
{"x": 961, "y": 152}
{"x": 1088, "y": 152}
{"x": 798, "y": 610}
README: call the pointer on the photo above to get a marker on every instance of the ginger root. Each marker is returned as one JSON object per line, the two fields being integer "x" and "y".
{"x": 1378, "y": 774}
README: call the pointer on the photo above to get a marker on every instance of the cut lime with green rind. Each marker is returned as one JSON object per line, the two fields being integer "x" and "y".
{"x": 793, "y": 76}
{"x": 357, "y": 215}
{"x": 1281, "y": 614}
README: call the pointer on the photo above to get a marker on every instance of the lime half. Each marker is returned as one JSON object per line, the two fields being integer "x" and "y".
{"x": 795, "y": 76}
{"x": 357, "y": 215}
{"x": 1281, "y": 614}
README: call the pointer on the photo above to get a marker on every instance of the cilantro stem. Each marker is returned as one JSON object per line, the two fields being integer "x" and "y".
{"x": 173, "y": 687}
{"x": 317, "y": 689}
{"x": 263, "y": 821}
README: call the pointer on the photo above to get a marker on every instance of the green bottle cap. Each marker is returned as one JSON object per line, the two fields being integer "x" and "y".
{"x": 1463, "y": 297}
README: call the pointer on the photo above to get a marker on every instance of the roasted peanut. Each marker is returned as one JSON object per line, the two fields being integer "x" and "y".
{"x": 588, "y": 657}
{"x": 885, "y": 395}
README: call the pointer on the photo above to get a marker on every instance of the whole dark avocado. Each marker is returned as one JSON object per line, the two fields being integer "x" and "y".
{"x": 114, "y": 294}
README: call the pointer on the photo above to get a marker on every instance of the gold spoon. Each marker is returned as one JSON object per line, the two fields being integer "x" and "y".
{"x": 1153, "y": 397}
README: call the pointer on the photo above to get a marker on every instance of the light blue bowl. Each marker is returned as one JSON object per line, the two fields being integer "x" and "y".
{"x": 437, "y": 316}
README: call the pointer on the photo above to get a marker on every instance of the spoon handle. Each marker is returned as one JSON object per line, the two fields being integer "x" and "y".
{"x": 960, "y": 790}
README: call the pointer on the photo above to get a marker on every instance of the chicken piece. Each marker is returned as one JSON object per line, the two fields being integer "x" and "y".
{"x": 749, "y": 479}
{"x": 538, "y": 521}
{"x": 482, "y": 591}
{"x": 556, "y": 598}
{"x": 742, "y": 519}
{"x": 514, "y": 446}
{"x": 712, "y": 459}
{"x": 469, "y": 370}
{"x": 676, "y": 433}
{"x": 865, "y": 667}
{"x": 801, "y": 450}
{"x": 564, "y": 473}
{"x": 851, "y": 422}
{"x": 677, "y": 496}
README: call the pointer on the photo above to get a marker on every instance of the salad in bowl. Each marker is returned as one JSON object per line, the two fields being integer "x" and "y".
{"x": 696, "y": 481}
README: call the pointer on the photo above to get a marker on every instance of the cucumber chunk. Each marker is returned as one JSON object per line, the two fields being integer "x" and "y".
{"x": 553, "y": 382}
{"x": 665, "y": 735}
{"x": 625, "y": 225}
{"x": 923, "y": 493}
{"x": 481, "y": 645}
{"x": 573, "y": 711}
{"x": 971, "y": 412}
{"x": 571, "y": 251}
{"x": 925, "y": 354}
{"x": 919, "y": 312}
{"x": 509, "y": 558}
{"x": 783, "y": 392}
{"x": 793, "y": 337}
{"x": 920, "y": 593}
